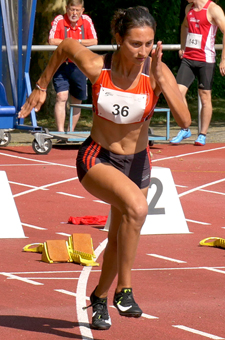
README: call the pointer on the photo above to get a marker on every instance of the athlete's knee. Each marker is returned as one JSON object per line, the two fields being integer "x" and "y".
{"x": 137, "y": 212}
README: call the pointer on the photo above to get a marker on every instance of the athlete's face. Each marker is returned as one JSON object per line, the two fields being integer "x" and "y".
{"x": 137, "y": 44}
{"x": 74, "y": 12}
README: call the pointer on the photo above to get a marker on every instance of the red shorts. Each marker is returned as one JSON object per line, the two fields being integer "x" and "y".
{"x": 137, "y": 167}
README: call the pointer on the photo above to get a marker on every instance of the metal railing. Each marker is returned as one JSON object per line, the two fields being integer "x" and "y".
{"x": 166, "y": 47}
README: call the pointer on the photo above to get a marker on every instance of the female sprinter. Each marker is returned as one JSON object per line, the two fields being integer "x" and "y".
{"x": 113, "y": 164}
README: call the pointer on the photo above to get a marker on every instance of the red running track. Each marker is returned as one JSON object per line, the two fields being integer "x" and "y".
{"x": 178, "y": 284}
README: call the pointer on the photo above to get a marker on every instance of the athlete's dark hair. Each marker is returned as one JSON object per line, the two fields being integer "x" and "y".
{"x": 126, "y": 19}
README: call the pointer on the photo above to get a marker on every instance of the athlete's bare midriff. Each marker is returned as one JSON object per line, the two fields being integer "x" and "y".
{"x": 123, "y": 139}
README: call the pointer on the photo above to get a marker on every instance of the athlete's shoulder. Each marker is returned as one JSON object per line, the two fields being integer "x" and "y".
{"x": 187, "y": 8}
{"x": 214, "y": 8}
{"x": 216, "y": 15}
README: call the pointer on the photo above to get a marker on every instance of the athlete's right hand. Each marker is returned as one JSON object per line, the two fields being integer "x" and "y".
{"x": 34, "y": 101}
{"x": 181, "y": 52}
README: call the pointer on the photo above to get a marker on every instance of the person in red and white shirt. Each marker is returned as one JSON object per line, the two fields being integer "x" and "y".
{"x": 68, "y": 79}
{"x": 198, "y": 33}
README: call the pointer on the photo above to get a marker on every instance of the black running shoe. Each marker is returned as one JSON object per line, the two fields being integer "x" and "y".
{"x": 124, "y": 302}
{"x": 100, "y": 316}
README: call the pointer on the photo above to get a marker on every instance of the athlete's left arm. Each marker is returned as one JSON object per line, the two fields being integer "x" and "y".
{"x": 165, "y": 83}
{"x": 217, "y": 18}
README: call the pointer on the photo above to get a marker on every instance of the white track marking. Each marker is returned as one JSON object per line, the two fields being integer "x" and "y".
{"x": 25, "y": 185}
{"x": 63, "y": 234}
{"x": 45, "y": 186}
{"x": 213, "y": 192}
{"x": 215, "y": 270}
{"x": 37, "y": 161}
{"x": 32, "y": 226}
{"x": 82, "y": 315}
{"x": 45, "y": 278}
{"x": 200, "y": 187}
{"x": 98, "y": 201}
{"x": 198, "y": 222}
{"x": 48, "y": 272}
{"x": 195, "y": 331}
{"x": 187, "y": 154}
{"x": 63, "y": 291}
{"x": 70, "y": 195}
{"x": 147, "y": 316}
{"x": 14, "y": 277}
{"x": 166, "y": 258}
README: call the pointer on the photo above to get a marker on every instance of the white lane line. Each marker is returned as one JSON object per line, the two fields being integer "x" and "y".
{"x": 166, "y": 258}
{"x": 37, "y": 161}
{"x": 32, "y": 226}
{"x": 195, "y": 331}
{"x": 64, "y": 193}
{"x": 44, "y": 278}
{"x": 45, "y": 186}
{"x": 63, "y": 291}
{"x": 200, "y": 187}
{"x": 63, "y": 234}
{"x": 215, "y": 270}
{"x": 48, "y": 272}
{"x": 98, "y": 201}
{"x": 82, "y": 315}
{"x": 213, "y": 192}
{"x": 147, "y": 316}
{"x": 198, "y": 222}
{"x": 14, "y": 277}
{"x": 25, "y": 185}
{"x": 188, "y": 154}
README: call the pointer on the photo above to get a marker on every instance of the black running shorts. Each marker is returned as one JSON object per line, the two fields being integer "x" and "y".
{"x": 190, "y": 69}
{"x": 136, "y": 167}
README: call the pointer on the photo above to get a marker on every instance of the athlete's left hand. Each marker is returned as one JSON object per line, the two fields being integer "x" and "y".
{"x": 157, "y": 63}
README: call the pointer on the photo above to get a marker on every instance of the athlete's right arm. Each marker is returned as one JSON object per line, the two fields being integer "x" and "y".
{"x": 88, "y": 62}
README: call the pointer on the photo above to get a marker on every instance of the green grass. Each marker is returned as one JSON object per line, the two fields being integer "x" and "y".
{"x": 85, "y": 121}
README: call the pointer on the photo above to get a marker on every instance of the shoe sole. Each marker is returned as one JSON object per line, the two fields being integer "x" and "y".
{"x": 199, "y": 144}
{"x": 101, "y": 328}
{"x": 131, "y": 315}
{"x": 180, "y": 140}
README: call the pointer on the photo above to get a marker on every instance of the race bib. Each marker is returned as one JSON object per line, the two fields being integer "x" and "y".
{"x": 194, "y": 40}
{"x": 121, "y": 107}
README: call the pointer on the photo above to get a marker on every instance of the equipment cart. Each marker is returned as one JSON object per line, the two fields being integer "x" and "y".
{"x": 16, "y": 33}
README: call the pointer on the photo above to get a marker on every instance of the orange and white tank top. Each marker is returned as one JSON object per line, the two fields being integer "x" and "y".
{"x": 123, "y": 106}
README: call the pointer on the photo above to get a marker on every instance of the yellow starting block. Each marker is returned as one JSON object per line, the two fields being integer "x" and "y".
{"x": 78, "y": 249}
{"x": 213, "y": 242}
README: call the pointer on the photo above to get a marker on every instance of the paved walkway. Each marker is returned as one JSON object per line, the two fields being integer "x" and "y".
{"x": 216, "y": 134}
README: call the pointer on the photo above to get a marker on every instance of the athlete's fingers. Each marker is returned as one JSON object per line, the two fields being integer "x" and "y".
{"x": 34, "y": 101}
